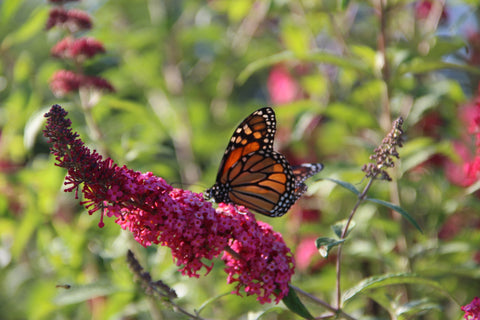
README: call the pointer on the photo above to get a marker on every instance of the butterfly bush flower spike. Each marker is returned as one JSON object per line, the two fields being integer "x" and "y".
{"x": 472, "y": 310}
{"x": 385, "y": 153}
{"x": 258, "y": 260}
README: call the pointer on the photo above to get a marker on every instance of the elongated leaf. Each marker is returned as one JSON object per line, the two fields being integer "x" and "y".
{"x": 82, "y": 293}
{"x": 423, "y": 66}
{"x": 319, "y": 56}
{"x": 325, "y": 244}
{"x": 340, "y": 225}
{"x": 31, "y": 27}
{"x": 404, "y": 213}
{"x": 411, "y": 308}
{"x": 8, "y": 10}
{"x": 344, "y": 4}
{"x": 264, "y": 314}
{"x": 209, "y": 301}
{"x": 388, "y": 280}
{"x": 344, "y": 184}
{"x": 295, "y": 305}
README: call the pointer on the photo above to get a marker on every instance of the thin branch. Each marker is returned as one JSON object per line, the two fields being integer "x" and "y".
{"x": 361, "y": 198}
{"x": 156, "y": 288}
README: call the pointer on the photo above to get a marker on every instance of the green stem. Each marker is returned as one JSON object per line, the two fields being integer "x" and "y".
{"x": 361, "y": 198}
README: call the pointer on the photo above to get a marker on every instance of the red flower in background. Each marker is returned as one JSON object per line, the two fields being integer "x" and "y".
{"x": 282, "y": 87}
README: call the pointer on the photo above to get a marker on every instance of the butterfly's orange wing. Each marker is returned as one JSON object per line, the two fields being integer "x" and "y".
{"x": 253, "y": 175}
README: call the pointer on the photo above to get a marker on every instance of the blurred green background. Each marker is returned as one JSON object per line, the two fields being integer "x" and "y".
{"x": 186, "y": 73}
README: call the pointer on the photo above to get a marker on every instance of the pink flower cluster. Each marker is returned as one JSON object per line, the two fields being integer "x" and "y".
{"x": 76, "y": 49}
{"x": 65, "y": 81}
{"x": 256, "y": 257}
{"x": 79, "y": 49}
{"x": 472, "y": 310}
{"x": 467, "y": 172}
{"x": 72, "y": 20}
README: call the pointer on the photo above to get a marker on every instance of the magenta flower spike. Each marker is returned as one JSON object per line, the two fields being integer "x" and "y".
{"x": 256, "y": 257}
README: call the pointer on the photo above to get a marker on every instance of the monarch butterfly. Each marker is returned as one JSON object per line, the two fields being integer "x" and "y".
{"x": 252, "y": 174}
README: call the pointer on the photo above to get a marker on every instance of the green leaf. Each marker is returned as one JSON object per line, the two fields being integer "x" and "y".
{"x": 340, "y": 226}
{"x": 8, "y": 10}
{"x": 209, "y": 301}
{"x": 423, "y": 65}
{"x": 353, "y": 115}
{"x": 411, "y": 308}
{"x": 316, "y": 56}
{"x": 265, "y": 314}
{"x": 33, "y": 127}
{"x": 388, "y": 280}
{"x": 82, "y": 293}
{"x": 293, "y": 303}
{"x": 417, "y": 151}
{"x": 295, "y": 38}
{"x": 404, "y": 213}
{"x": 27, "y": 227}
{"x": 34, "y": 25}
{"x": 344, "y": 184}
{"x": 325, "y": 244}
{"x": 344, "y": 4}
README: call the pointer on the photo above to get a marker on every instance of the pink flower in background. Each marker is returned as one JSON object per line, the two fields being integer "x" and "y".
{"x": 63, "y": 82}
{"x": 282, "y": 87}
{"x": 467, "y": 171}
{"x": 423, "y": 8}
{"x": 74, "y": 19}
{"x": 305, "y": 252}
{"x": 78, "y": 49}
{"x": 460, "y": 173}
{"x": 472, "y": 310}
{"x": 256, "y": 257}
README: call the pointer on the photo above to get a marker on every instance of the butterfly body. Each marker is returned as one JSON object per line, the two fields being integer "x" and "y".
{"x": 252, "y": 174}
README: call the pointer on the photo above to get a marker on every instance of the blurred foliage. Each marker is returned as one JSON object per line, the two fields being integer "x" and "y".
{"x": 186, "y": 73}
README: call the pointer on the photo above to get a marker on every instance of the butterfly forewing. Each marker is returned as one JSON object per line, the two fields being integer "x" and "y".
{"x": 253, "y": 175}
